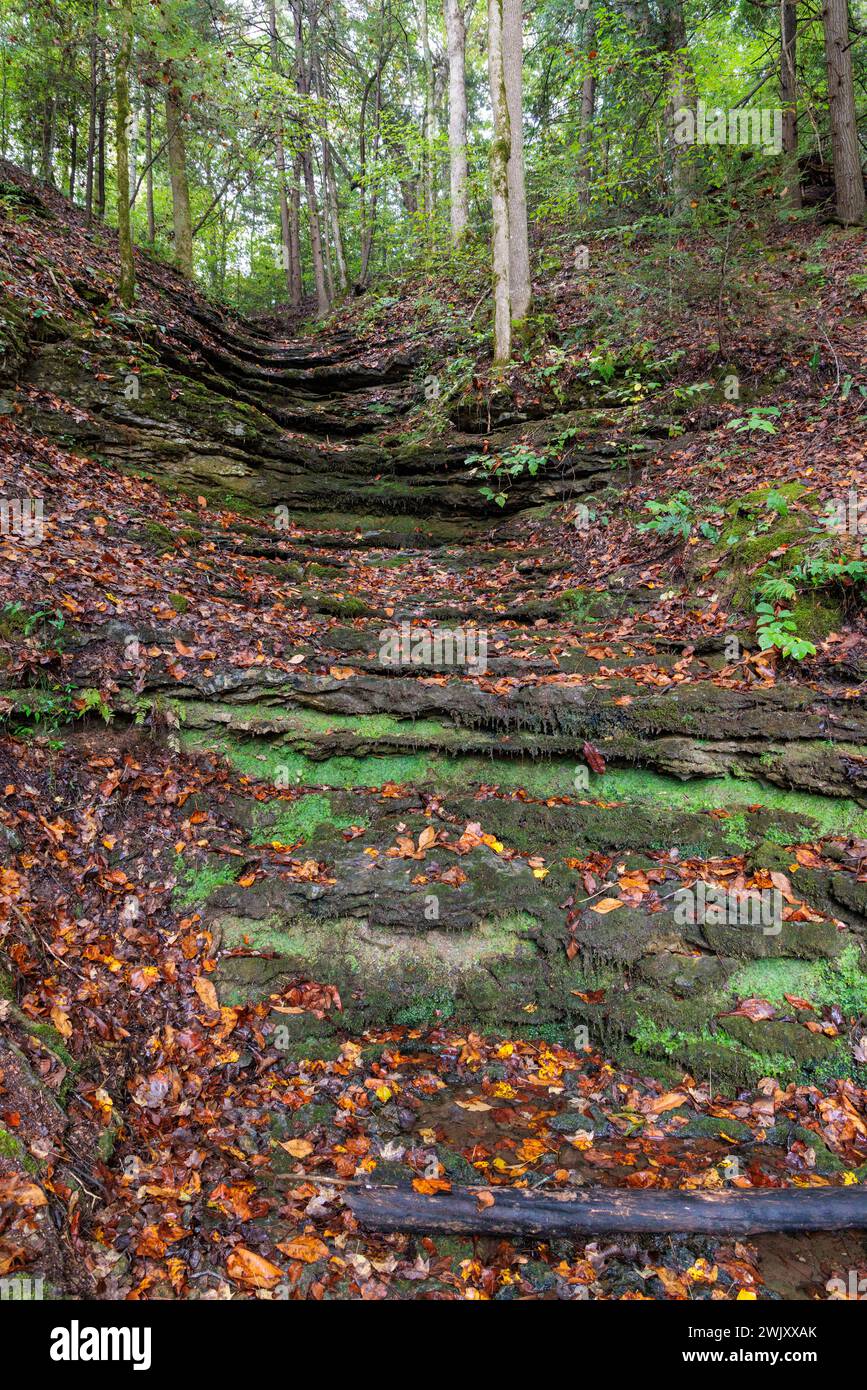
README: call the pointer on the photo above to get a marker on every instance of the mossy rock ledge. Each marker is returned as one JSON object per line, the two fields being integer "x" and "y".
{"x": 491, "y": 953}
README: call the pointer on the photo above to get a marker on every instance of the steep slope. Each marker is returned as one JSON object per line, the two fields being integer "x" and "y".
{"x": 292, "y": 710}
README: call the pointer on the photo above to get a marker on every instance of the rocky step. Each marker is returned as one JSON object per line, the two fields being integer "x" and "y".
{"x": 787, "y": 735}
{"x": 409, "y": 929}
{"x": 209, "y": 433}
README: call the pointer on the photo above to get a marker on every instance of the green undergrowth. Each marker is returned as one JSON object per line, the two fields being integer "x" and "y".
{"x": 780, "y": 558}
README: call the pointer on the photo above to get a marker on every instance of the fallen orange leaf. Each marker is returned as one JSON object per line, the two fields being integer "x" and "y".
{"x": 306, "y": 1248}
{"x": 246, "y": 1267}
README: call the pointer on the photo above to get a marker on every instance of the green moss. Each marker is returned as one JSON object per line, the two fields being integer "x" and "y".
{"x": 736, "y": 829}
{"x": 105, "y": 1145}
{"x": 716, "y": 793}
{"x": 458, "y": 1168}
{"x": 577, "y": 603}
{"x": 773, "y": 979}
{"x": 750, "y": 537}
{"x": 159, "y": 535}
{"x": 385, "y": 976}
{"x": 289, "y": 822}
{"x": 779, "y": 835}
{"x": 195, "y": 883}
{"x": 389, "y": 530}
{"x": 505, "y": 933}
{"x": 314, "y": 1050}
{"x": 791, "y": 1039}
{"x": 691, "y": 1048}
{"x": 685, "y": 1029}
{"x": 555, "y": 1033}
{"x": 748, "y": 550}
{"x": 10, "y": 1147}
{"x": 268, "y": 761}
{"x": 349, "y": 606}
{"x": 714, "y": 1127}
{"x": 816, "y": 615}
{"x": 427, "y": 1009}
{"x": 785, "y": 1134}
{"x": 290, "y": 1124}
{"x": 842, "y": 981}
{"x": 282, "y": 570}
{"x": 179, "y": 602}
{"x": 838, "y": 1066}
{"x": 363, "y": 726}
{"x": 757, "y": 499}
{"x": 811, "y": 815}
{"x": 50, "y": 1038}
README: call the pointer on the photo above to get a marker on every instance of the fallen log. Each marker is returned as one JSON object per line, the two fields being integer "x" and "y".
{"x": 601, "y": 1210}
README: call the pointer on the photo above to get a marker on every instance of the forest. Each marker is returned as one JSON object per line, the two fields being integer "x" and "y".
{"x": 433, "y": 655}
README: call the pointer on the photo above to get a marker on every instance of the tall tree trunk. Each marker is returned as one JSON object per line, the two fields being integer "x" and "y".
{"x": 366, "y": 161}
{"x": 519, "y": 250}
{"x": 326, "y": 247}
{"x": 427, "y": 131}
{"x": 133, "y": 154}
{"x": 456, "y": 38}
{"x": 4, "y": 127}
{"x": 149, "y": 176}
{"x": 368, "y": 213}
{"x": 73, "y": 156}
{"x": 177, "y": 156}
{"x": 100, "y": 138}
{"x": 588, "y": 103}
{"x": 47, "y": 152}
{"x": 280, "y": 156}
{"x": 848, "y": 179}
{"x": 681, "y": 90}
{"x": 296, "y": 279}
{"x": 366, "y": 220}
{"x": 330, "y": 182}
{"x": 224, "y": 243}
{"x": 91, "y": 122}
{"x": 334, "y": 235}
{"x": 302, "y": 79}
{"x": 789, "y": 96}
{"x": 126, "y": 288}
{"x": 315, "y": 231}
{"x": 500, "y": 152}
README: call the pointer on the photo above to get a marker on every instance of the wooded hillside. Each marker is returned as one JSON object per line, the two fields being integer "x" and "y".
{"x": 433, "y": 746}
